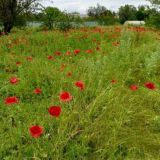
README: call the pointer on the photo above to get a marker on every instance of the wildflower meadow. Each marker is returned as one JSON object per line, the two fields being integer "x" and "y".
{"x": 85, "y": 94}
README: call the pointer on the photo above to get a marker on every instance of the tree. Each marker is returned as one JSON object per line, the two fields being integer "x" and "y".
{"x": 156, "y": 3}
{"x": 140, "y": 14}
{"x": 154, "y": 16}
{"x": 127, "y": 12}
{"x": 144, "y": 12}
{"x": 97, "y": 11}
{"x": 10, "y": 9}
{"x": 51, "y": 16}
{"x": 101, "y": 14}
{"x": 154, "y": 20}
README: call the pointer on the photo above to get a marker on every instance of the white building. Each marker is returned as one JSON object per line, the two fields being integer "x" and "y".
{"x": 134, "y": 23}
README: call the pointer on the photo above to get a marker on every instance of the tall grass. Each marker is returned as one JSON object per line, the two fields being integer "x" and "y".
{"x": 105, "y": 121}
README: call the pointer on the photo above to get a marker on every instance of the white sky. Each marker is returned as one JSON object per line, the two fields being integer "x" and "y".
{"x": 82, "y": 5}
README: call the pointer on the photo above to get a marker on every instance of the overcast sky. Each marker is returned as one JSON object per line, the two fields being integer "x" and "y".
{"x": 82, "y": 5}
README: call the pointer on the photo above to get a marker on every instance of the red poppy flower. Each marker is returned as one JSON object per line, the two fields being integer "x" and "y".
{"x": 55, "y": 111}
{"x": 89, "y": 51}
{"x": 14, "y": 80}
{"x": 116, "y": 44}
{"x": 18, "y": 63}
{"x": 37, "y": 91}
{"x": 36, "y": 131}
{"x": 57, "y": 53}
{"x": 69, "y": 74}
{"x": 11, "y": 100}
{"x": 80, "y": 84}
{"x": 50, "y": 57}
{"x": 150, "y": 85}
{"x": 76, "y": 51}
{"x": 94, "y": 40}
{"x": 97, "y": 48}
{"x": 113, "y": 81}
{"x": 133, "y": 87}
{"x": 30, "y": 58}
{"x": 68, "y": 53}
{"x": 65, "y": 97}
{"x": 117, "y": 29}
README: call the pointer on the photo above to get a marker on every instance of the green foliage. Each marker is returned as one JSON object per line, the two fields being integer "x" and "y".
{"x": 102, "y": 15}
{"x": 154, "y": 1}
{"x": 154, "y": 20}
{"x": 51, "y": 16}
{"x": 65, "y": 26}
{"x": 143, "y": 13}
{"x": 11, "y": 9}
{"x": 127, "y": 12}
{"x": 105, "y": 121}
{"x": 36, "y": 17}
{"x": 107, "y": 20}
{"x": 69, "y": 21}
{"x": 96, "y": 11}
{"x": 20, "y": 21}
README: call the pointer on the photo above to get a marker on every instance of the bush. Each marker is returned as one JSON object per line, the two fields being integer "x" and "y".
{"x": 65, "y": 26}
{"x": 51, "y": 17}
{"x": 154, "y": 20}
{"x": 65, "y": 23}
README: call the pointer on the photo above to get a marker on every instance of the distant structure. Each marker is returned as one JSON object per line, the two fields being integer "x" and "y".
{"x": 134, "y": 23}
{"x": 83, "y": 15}
{"x": 79, "y": 15}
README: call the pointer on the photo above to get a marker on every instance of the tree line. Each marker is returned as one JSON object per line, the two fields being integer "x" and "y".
{"x": 18, "y": 12}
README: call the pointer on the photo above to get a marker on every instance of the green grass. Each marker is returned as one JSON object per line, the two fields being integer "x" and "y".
{"x": 105, "y": 121}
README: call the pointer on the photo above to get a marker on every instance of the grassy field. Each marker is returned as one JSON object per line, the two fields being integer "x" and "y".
{"x": 112, "y": 113}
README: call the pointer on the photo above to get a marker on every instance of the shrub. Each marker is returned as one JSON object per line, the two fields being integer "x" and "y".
{"x": 65, "y": 23}
{"x": 65, "y": 26}
{"x": 154, "y": 20}
{"x": 51, "y": 17}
